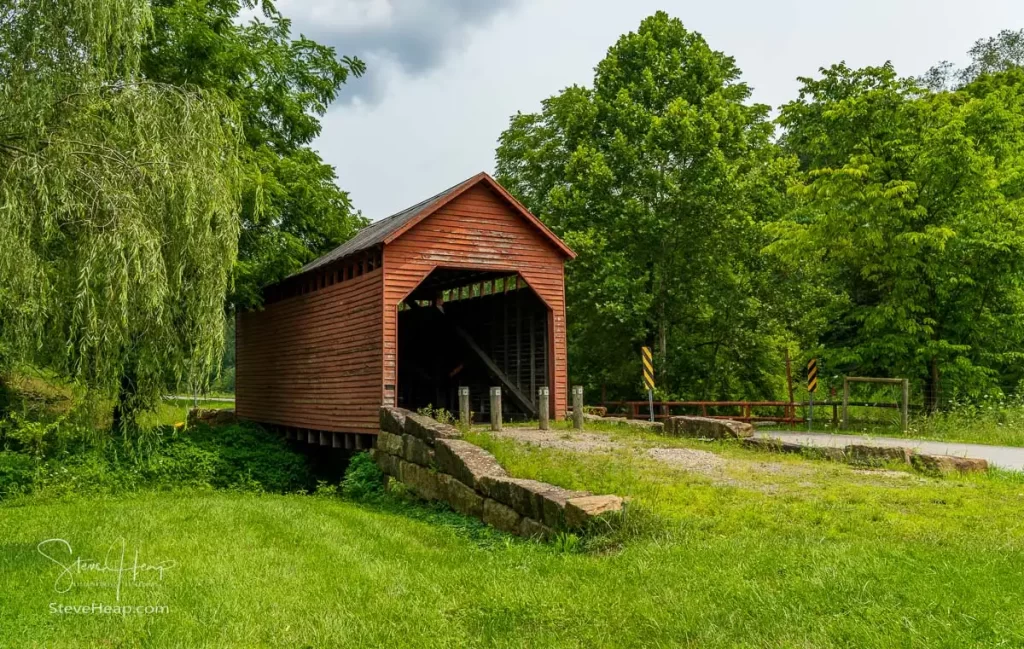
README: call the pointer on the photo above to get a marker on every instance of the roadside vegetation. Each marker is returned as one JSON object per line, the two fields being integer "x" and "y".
{"x": 766, "y": 551}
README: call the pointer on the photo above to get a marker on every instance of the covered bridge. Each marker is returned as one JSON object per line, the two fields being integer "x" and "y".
{"x": 463, "y": 289}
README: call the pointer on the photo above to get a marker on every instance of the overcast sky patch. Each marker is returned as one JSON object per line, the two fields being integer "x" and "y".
{"x": 394, "y": 37}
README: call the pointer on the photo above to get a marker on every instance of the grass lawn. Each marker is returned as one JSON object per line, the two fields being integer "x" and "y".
{"x": 172, "y": 412}
{"x": 766, "y": 551}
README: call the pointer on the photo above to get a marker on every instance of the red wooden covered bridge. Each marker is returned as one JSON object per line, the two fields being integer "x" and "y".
{"x": 463, "y": 289}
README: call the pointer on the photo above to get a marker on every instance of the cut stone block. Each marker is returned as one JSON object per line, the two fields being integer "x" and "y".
{"x": 392, "y": 420}
{"x": 423, "y": 482}
{"x": 389, "y": 443}
{"x": 462, "y": 499}
{"x": 653, "y": 426}
{"x": 532, "y": 529}
{"x": 552, "y": 505}
{"x": 386, "y": 462}
{"x": 428, "y": 429}
{"x": 416, "y": 451}
{"x": 579, "y": 512}
{"x": 466, "y": 462}
{"x": 950, "y": 464}
{"x": 879, "y": 454}
{"x": 525, "y": 496}
{"x": 500, "y": 516}
{"x": 708, "y": 428}
{"x": 826, "y": 453}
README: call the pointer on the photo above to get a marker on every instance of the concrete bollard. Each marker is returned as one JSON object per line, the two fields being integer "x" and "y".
{"x": 496, "y": 408}
{"x": 464, "y": 405}
{"x": 577, "y": 407}
{"x": 543, "y": 401}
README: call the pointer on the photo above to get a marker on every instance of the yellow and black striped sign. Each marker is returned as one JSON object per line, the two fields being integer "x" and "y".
{"x": 648, "y": 368}
{"x": 812, "y": 375}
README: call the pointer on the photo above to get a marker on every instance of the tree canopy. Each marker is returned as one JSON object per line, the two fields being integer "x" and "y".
{"x": 659, "y": 176}
{"x": 292, "y": 208}
{"x": 910, "y": 208}
{"x": 880, "y": 229}
{"x": 118, "y": 202}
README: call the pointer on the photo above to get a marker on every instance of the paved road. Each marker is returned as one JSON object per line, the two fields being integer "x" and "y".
{"x": 1005, "y": 457}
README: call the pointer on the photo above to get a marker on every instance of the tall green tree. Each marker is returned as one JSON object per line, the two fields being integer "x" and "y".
{"x": 660, "y": 176}
{"x": 910, "y": 206}
{"x": 292, "y": 210}
{"x": 118, "y": 203}
{"x": 999, "y": 53}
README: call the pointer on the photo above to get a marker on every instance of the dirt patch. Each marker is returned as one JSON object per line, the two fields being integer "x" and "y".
{"x": 681, "y": 458}
{"x": 560, "y": 439}
{"x": 688, "y": 459}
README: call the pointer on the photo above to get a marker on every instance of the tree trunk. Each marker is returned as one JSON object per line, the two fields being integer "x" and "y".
{"x": 124, "y": 407}
{"x": 931, "y": 387}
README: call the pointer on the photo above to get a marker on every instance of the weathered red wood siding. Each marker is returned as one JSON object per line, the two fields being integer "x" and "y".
{"x": 476, "y": 230}
{"x": 314, "y": 360}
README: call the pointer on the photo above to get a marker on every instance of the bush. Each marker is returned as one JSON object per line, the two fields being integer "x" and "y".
{"x": 438, "y": 414}
{"x": 248, "y": 453}
{"x": 17, "y": 472}
{"x": 240, "y": 456}
{"x": 42, "y": 439}
{"x": 363, "y": 478}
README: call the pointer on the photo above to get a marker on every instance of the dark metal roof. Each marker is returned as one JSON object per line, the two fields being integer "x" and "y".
{"x": 377, "y": 232}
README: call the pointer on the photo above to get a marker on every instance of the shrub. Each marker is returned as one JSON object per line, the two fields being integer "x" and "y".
{"x": 438, "y": 414}
{"x": 40, "y": 438}
{"x": 363, "y": 478}
{"x": 241, "y": 456}
{"x": 17, "y": 473}
{"x": 181, "y": 462}
{"x": 248, "y": 453}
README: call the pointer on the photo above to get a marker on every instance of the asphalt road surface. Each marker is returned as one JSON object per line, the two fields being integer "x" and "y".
{"x": 1004, "y": 457}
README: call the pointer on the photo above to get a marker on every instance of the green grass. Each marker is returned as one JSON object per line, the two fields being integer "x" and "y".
{"x": 170, "y": 413}
{"x": 767, "y": 551}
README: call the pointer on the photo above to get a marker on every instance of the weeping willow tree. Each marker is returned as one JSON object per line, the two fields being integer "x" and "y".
{"x": 118, "y": 205}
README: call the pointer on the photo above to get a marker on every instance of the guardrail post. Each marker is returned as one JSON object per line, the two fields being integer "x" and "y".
{"x": 543, "y": 401}
{"x": 464, "y": 405}
{"x": 846, "y": 403}
{"x": 577, "y": 407}
{"x": 905, "y": 418}
{"x": 496, "y": 408}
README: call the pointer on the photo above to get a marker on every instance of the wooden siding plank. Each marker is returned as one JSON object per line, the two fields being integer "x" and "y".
{"x": 313, "y": 361}
{"x": 479, "y": 231}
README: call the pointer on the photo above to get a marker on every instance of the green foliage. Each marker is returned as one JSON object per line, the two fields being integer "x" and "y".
{"x": 292, "y": 210}
{"x": 989, "y": 56}
{"x": 118, "y": 204}
{"x": 250, "y": 453}
{"x": 909, "y": 209}
{"x": 660, "y": 177}
{"x": 17, "y": 472}
{"x": 439, "y": 414}
{"x": 60, "y": 459}
{"x": 363, "y": 479}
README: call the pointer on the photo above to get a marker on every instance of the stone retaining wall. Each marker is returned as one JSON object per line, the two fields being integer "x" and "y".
{"x": 436, "y": 464}
{"x": 708, "y": 428}
{"x": 876, "y": 455}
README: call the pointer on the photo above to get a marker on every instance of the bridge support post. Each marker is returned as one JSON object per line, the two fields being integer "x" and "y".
{"x": 543, "y": 399}
{"x": 496, "y": 408}
{"x": 577, "y": 407}
{"x": 464, "y": 405}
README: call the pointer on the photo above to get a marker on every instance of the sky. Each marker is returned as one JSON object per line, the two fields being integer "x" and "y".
{"x": 444, "y": 76}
